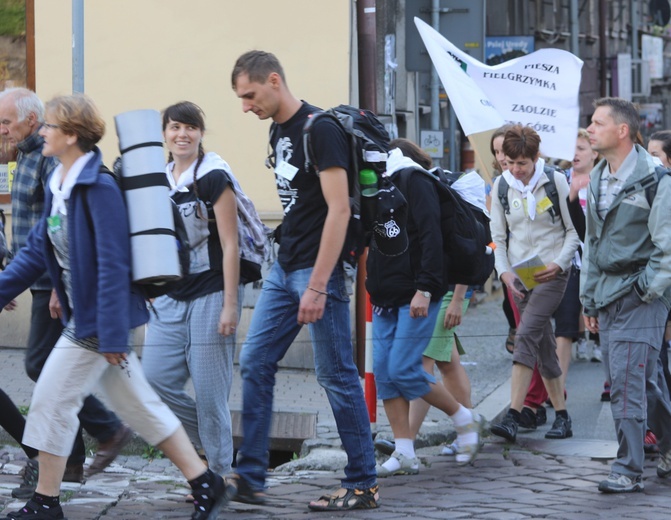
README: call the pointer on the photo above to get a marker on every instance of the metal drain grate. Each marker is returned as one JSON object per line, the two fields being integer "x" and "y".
{"x": 288, "y": 430}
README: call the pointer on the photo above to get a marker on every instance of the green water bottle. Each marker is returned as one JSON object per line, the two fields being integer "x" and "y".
{"x": 368, "y": 185}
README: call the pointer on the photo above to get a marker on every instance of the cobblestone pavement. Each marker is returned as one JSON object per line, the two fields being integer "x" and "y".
{"x": 487, "y": 363}
{"x": 504, "y": 483}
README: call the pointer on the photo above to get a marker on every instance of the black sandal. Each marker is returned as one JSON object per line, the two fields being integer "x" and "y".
{"x": 244, "y": 492}
{"x": 352, "y": 499}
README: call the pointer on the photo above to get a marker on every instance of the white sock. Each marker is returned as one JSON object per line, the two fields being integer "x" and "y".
{"x": 405, "y": 447}
{"x": 392, "y": 464}
{"x": 461, "y": 418}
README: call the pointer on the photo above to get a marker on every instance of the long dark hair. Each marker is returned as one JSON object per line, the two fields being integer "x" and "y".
{"x": 410, "y": 149}
{"x": 499, "y": 132}
{"x": 664, "y": 136}
{"x": 188, "y": 113}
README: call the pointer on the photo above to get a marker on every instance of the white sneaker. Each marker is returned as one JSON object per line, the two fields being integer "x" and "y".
{"x": 450, "y": 450}
{"x": 581, "y": 350}
{"x": 596, "y": 354}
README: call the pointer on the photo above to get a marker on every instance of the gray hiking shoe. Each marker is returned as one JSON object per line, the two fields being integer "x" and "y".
{"x": 664, "y": 466}
{"x": 616, "y": 483}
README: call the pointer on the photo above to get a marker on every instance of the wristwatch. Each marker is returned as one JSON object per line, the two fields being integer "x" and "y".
{"x": 426, "y": 294}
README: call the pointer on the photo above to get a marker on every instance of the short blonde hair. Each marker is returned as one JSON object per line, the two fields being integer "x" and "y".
{"x": 78, "y": 115}
{"x": 584, "y": 134}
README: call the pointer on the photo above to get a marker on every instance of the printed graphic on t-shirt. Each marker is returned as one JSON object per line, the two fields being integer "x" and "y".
{"x": 288, "y": 195}
{"x": 284, "y": 150}
{"x": 198, "y": 233}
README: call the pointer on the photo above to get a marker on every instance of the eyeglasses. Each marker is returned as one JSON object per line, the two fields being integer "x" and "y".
{"x": 50, "y": 126}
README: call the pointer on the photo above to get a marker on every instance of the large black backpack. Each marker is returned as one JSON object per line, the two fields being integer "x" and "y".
{"x": 470, "y": 253}
{"x": 368, "y": 137}
{"x": 465, "y": 228}
{"x": 369, "y": 146}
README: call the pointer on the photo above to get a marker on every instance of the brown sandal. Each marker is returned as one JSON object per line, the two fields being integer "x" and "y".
{"x": 352, "y": 499}
{"x": 244, "y": 492}
{"x": 108, "y": 451}
{"x": 510, "y": 340}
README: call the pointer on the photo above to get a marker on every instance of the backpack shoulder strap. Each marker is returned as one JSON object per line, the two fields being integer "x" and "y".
{"x": 552, "y": 193}
{"x": 660, "y": 171}
{"x": 353, "y": 181}
{"x": 551, "y": 186}
{"x": 651, "y": 189}
{"x": 550, "y": 190}
{"x": 307, "y": 137}
{"x": 87, "y": 210}
{"x": 270, "y": 159}
{"x": 503, "y": 194}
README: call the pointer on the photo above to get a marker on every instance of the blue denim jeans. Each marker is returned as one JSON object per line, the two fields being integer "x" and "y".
{"x": 398, "y": 344}
{"x": 272, "y": 330}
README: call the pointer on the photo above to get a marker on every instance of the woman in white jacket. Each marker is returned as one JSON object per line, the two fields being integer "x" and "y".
{"x": 539, "y": 229}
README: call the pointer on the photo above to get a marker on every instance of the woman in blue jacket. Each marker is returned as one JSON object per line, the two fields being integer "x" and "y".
{"x": 83, "y": 243}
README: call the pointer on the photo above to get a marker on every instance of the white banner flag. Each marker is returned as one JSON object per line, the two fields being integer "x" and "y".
{"x": 539, "y": 90}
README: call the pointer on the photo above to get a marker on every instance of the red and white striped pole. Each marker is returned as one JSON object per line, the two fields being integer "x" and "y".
{"x": 370, "y": 391}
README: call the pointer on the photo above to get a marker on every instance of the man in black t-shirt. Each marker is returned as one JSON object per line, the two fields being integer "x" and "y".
{"x": 306, "y": 286}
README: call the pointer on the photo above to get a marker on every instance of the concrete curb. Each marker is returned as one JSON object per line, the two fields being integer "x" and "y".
{"x": 495, "y": 405}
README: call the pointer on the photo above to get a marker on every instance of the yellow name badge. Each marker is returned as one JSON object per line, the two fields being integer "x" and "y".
{"x": 544, "y": 205}
{"x": 11, "y": 168}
